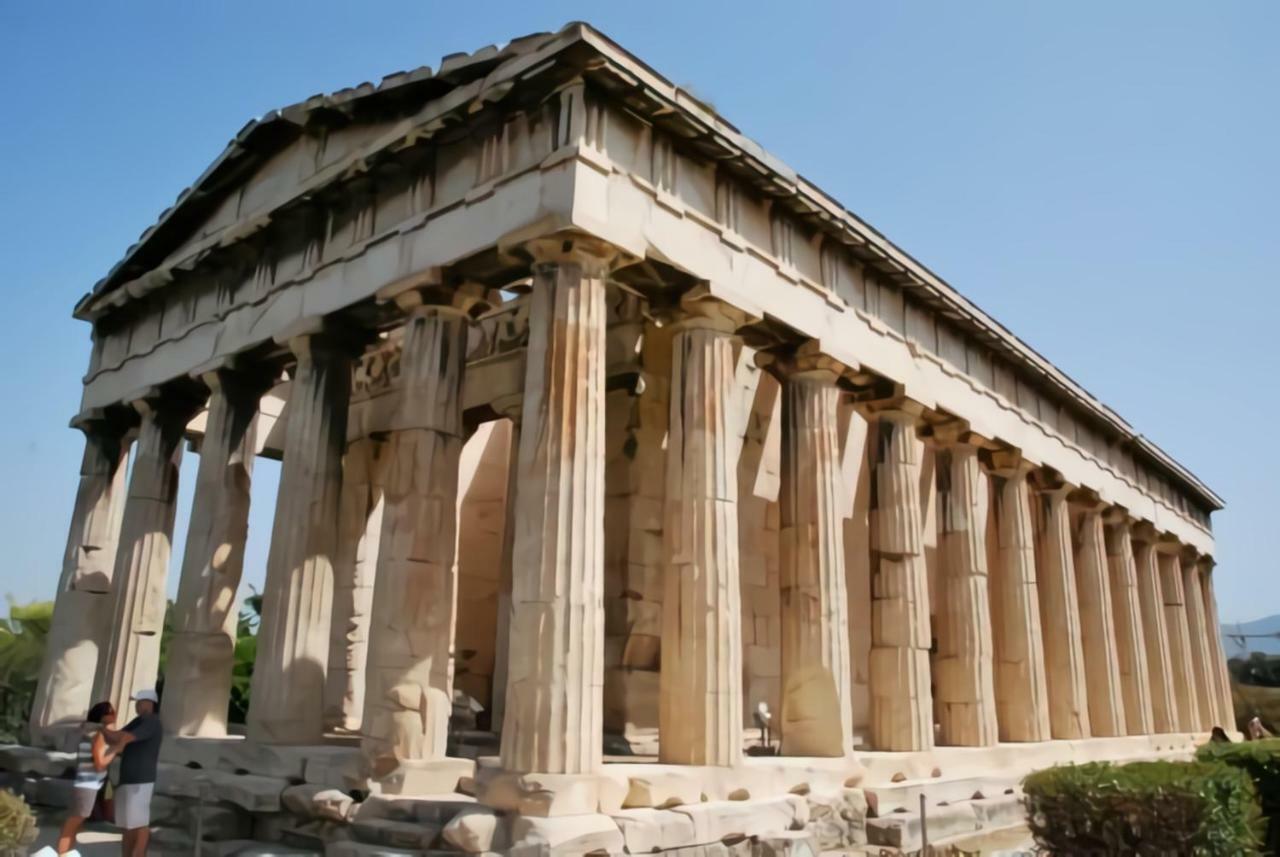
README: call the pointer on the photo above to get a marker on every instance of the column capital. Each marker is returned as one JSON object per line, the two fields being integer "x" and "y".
{"x": 897, "y": 408}
{"x": 1087, "y": 501}
{"x": 511, "y": 407}
{"x": 1116, "y": 516}
{"x": 597, "y": 257}
{"x": 1049, "y": 482}
{"x": 467, "y": 299}
{"x": 954, "y": 431}
{"x": 165, "y": 404}
{"x": 113, "y": 422}
{"x": 805, "y": 362}
{"x": 1007, "y": 462}
{"x": 311, "y": 337}
{"x": 1167, "y": 543}
{"x": 698, "y": 308}
{"x": 1144, "y": 533}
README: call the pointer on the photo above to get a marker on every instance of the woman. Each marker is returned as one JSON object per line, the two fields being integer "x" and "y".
{"x": 92, "y": 759}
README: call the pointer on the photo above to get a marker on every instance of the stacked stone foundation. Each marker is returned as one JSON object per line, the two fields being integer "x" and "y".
{"x": 237, "y": 797}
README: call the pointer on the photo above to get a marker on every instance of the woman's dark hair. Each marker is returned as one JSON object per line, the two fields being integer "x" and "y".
{"x": 100, "y": 711}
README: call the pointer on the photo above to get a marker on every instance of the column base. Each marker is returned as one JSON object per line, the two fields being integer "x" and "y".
{"x": 424, "y": 777}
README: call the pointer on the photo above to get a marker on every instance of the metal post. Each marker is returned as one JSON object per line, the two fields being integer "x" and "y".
{"x": 924, "y": 828}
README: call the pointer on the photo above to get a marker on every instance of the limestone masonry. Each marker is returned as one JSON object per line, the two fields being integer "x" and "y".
{"x": 601, "y": 428}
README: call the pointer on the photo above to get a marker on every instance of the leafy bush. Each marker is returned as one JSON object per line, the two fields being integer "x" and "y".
{"x": 17, "y": 823}
{"x": 1143, "y": 808}
{"x": 1261, "y": 761}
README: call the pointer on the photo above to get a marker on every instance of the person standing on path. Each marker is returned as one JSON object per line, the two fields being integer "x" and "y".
{"x": 92, "y": 758}
{"x": 139, "y": 747}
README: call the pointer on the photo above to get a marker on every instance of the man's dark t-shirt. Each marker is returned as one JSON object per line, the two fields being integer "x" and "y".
{"x": 140, "y": 756}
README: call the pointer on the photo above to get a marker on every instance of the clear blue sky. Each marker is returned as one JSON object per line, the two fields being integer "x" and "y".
{"x": 1102, "y": 177}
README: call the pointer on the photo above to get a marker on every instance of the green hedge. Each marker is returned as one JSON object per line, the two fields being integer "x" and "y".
{"x": 1143, "y": 808}
{"x": 1261, "y": 761}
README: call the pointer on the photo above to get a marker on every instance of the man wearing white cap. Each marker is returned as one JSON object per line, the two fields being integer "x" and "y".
{"x": 139, "y": 754}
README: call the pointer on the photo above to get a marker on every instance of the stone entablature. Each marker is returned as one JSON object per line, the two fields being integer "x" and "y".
{"x": 345, "y": 211}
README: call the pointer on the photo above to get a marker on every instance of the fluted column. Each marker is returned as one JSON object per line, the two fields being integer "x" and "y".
{"x": 1225, "y": 707}
{"x": 1022, "y": 701}
{"x": 1134, "y": 678}
{"x": 131, "y": 658}
{"x": 202, "y": 653}
{"x": 408, "y": 698}
{"x": 297, "y": 601}
{"x": 1097, "y": 623}
{"x": 502, "y": 636}
{"x": 1060, "y": 614}
{"x": 359, "y": 533}
{"x": 1181, "y": 669}
{"x": 1198, "y": 635}
{"x": 964, "y": 666}
{"x": 555, "y": 668}
{"x": 817, "y": 699}
{"x": 700, "y": 681}
{"x": 82, "y": 609}
{"x": 1164, "y": 707}
{"x": 901, "y": 699}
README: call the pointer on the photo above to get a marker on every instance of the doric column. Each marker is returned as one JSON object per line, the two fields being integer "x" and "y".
{"x": 287, "y": 692}
{"x": 1198, "y": 636}
{"x": 198, "y": 677}
{"x": 964, "y": 666}
{"x": 131, "y": 659}
{"x": 555, "y": 667}
{"x": 700, "y": 682}
{"x": 82, "y": 609}
{"x": 1181, "y": 670}
{"x": 1164, "y": 708}
{"x": 1022, "y": 701}
{"x": 1134, "y": 678}
{"x": 502, "y": 636}
{"x": 359, "y": 531}
{"x": 817, "y": 699}
{"x": 1097, "y": 621}
{"x": 1060, "y": 612}
{"x": 901, "y": 699}
{"x": 408, "y": 697}
{"x": 1213, "y": 630}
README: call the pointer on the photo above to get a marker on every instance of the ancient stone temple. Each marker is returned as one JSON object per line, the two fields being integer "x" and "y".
{"x": 633, "y": 494}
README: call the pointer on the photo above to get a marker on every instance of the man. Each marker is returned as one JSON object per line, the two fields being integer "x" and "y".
{"x": 139, "y": 747}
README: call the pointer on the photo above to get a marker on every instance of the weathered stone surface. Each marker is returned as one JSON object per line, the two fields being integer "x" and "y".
{"x": 645, "y": 829}
{"x": 1135, "y": 680}
{"x": 551, "y": 837}
{"x": 425, "y": 776}
{"x": 409, "y": 694}
{"x": 436, "y": 809}
{"x": 297, "y": 601}
{"x": 719, "y": 820}
{"x": 359, "y": 533}
{"x": 315, "y": 801}
{"x": 1164, "y": 706}
{"x": 32, "y": 760}
{"x": 1098, "y": 626}
{"x": 476, "y": 829}
{"x": 1201, "y": 653}
{"x": 700, "y": 696}
{"x": 1181, "y": 668}
{"x": 395, "y": 834}
{"x": 555, "y": 670}
{"x": 1060, "y": 615}
{"x": 248, "y": 791}
{"x": 198, "y": 675}
{"x": 902, "y": 829}
{"x": 1221, "y": 680}
{"x": 963, "y": 668}
{"x": 787, "y": 843}
{"x": 837, "y": 819}
{"x": 81, "y": 607}
{"x": 131, "y": 658}
{"x": 542, "y": 795}
{"x": 367, "y": 849}
{"x": 817, "y": 703}
{"x": 662, "y": 790}
{"x": 902, "y": 702}
{"x": 1022, "y": 701}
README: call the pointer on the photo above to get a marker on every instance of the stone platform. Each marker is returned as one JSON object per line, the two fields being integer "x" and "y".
{"x": 240, "y": 797}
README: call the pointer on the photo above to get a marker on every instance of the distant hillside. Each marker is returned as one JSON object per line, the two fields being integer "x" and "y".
{"x": 1241, "y": 638}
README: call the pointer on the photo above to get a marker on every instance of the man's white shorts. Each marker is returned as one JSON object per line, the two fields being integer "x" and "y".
{"x": 133, "y": 805}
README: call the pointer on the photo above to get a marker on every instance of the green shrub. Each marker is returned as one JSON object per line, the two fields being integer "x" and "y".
{"x": 1261, "y": 761}
{"x": 1143, "y": 808}
{"x": 17, "y": 823}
